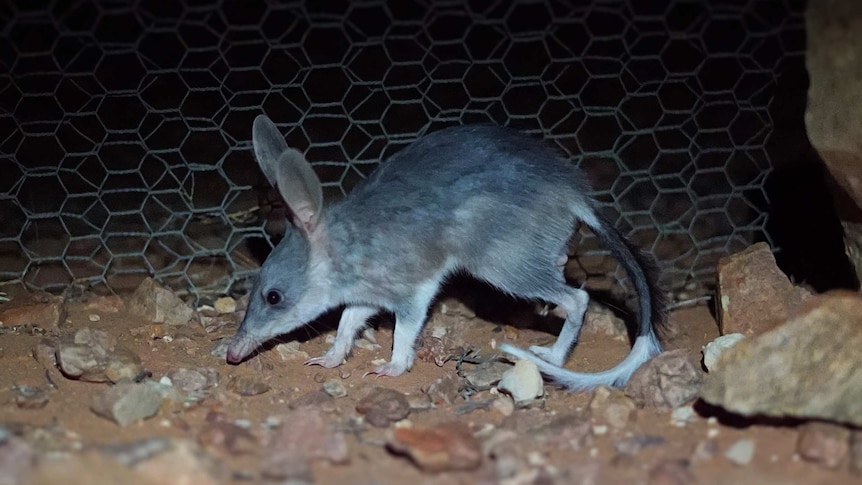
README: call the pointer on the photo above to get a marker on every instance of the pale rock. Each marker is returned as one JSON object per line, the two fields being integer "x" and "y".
{"x": 159, "y": 305}
{"x": 741, "y": 452}
{"x": 291, "y": 351}
{"x": 809, "y": 367}
{"x": 127, "y": 403}
{"x": 523, "y": 382}
{"x": 714, "y": 349}
{"x": 225, "y": 305}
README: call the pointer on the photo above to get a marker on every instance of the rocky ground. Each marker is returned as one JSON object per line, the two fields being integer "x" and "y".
{"x": 136, "y": 390}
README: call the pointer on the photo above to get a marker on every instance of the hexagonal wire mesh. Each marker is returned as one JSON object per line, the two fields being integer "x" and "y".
{"x": 125, "y": 145}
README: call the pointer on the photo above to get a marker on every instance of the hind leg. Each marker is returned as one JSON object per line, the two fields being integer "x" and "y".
{"x": 545, "y": 279}
{"x": 574, "y": 301}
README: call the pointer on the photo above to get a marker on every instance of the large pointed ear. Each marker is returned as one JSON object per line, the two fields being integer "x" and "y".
{"x": 268, "y": 146}
{"x": 287, "y": 170}
{"x": 301, "y": 190}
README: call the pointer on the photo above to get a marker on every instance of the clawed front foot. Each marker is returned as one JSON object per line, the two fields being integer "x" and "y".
{"x": 390, "y": 369}
{"x": 329, "y": 360}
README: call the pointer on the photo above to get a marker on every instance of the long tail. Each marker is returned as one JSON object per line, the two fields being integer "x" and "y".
{"x": 643, "y": 275}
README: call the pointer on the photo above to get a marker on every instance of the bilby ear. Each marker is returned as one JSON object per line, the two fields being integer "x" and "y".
{"x": 268, "y": 146}
{"x": 288, "y": 171}
{"x": 301, "y": 190}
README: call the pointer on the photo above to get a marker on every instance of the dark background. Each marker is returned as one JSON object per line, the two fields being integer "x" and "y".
{"x": 125, "y": 126}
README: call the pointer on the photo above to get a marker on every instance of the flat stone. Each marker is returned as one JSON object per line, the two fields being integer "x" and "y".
{"x": 93, "y": 356}
{"x": 318, "y": 399}
{"x": 523, "y": 382}
{"x": 246, "y": 385}
{"x": 335, "y": 388}
{"x": 754, "y": 295}
{"x": 303, "y": 437}
{"x": 195, "y": 383}
{"x": 483, "y": 376}
{"x": 159, "y": 305}
{"x": 807, "y": 368}
{"x": 291, "y": 351}
{"x": 50, "y": 315}
{"x": 824, "y": 443}
{"x": 667, "y": 381}
{"x": 382, "y": 406}
{"x": 445, "y": 447}
{"x": 127, "y": 403}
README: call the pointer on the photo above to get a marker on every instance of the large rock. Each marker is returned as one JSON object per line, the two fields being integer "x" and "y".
{"x": 754, "y": 295}
{"x": 159, "y": 305}
{"x": 669, "y": 380}
{"x": 809, "y": 367}
{"x": 834, "y": 62}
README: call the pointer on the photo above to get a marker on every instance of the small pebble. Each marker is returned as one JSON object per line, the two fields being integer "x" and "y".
{"x": 741, "y": 452}
{"x": 523, "y": 382}
{"x": 600, "y": 429}
{"x": 93, "y": 317}
{"x": 682, "y": 415}
{"x": 225, "y": 305}
{"x": 246, "y": 385}
{"x": 335, "y": 388}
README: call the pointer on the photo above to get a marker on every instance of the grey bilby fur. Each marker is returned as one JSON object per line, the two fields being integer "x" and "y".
{"x": 485, "y": 200}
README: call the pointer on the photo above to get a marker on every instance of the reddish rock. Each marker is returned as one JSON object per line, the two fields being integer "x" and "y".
{"x": 48, "y": 315}
{"x": 667, "y": 381}
{"x": 303, "y": 437}
{"x": 382, "y": 406}
{"x": 446, "y": 447}
{"x": 824, "y": 443}
{"x": 754, "y": 295}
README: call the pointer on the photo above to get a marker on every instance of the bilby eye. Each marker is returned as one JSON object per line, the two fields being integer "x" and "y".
{"x": 274, "y": 297}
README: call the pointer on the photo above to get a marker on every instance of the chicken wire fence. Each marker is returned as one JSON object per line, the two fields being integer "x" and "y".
{"x": 125, "y": 126}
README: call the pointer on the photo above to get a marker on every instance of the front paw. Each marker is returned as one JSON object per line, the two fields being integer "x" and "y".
{"x": 390, "y": 369}
{"x": 329, "y": 360}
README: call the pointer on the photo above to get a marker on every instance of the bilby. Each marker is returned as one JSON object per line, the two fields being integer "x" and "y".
{"x": 485, "y": 200}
